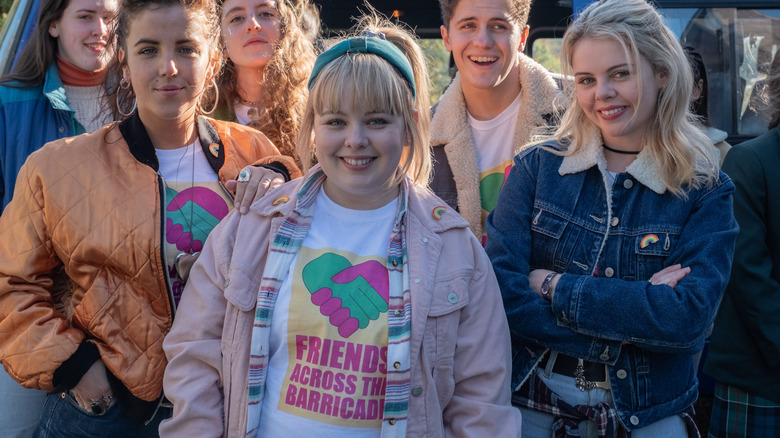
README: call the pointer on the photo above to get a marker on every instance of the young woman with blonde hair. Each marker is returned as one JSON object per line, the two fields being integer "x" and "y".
{"x": 612, "y": 242}
{"x": 357, "y": 302}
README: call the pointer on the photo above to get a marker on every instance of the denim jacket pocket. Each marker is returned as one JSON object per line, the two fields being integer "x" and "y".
{"x": 441, "y": 332}
{"x": 651, "y": 251}
{"x": 552, "y": 247}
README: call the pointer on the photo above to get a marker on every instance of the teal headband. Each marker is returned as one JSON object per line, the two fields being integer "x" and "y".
{"x": 376, "y": 45}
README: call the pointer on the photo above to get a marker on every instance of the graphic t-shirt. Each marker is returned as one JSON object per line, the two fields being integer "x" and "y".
{"x": 327, "y": 371}
{"x": 195, "y": 202}
{"x": 493, "y": 142}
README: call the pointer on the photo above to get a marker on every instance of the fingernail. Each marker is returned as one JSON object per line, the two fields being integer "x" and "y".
{"x": 244, "y": 210}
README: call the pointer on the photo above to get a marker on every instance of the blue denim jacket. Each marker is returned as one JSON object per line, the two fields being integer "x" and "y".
{"x": 30, "y": 118}
{"x": 607, "y": 240}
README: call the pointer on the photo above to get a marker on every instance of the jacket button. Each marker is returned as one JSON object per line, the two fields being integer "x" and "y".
{"x": 397, "y": 365}
{"x": 425, "y": 240}
{"x": 62, "y": 129}
{"x": 615, "y": 221}
{"x": 417, "y": 391}
{"x": 609, "y": 272}
{"x": 227, "y": 282}
{"x": 622, "y": 374}
{"x": 628, "y": 183}
{"x": 395, "y": 263}
{"x": 634, "y": 420}
{"x": 399, "y": 312}
{"x": 391, "y": 421}
{"x": 417, "y": 280}
{"x": 452, "y": 298}
{"x": 604, "y": 356}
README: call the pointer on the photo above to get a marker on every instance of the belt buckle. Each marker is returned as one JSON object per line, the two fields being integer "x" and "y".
{"x": 584, "y": 384}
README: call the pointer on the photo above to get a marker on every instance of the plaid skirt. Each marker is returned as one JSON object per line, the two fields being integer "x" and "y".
{"x": 736, "y": 413}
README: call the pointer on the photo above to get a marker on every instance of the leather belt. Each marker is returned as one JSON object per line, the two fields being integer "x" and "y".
{"x": 587, "y": 375}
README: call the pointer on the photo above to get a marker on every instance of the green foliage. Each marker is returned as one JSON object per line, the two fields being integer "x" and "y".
{"x": 5, "y": 6}
{"x": 438, "y": 66}
{"x": 547, "y": 51}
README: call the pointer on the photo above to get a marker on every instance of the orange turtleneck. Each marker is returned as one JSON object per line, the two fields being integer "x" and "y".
{"x": 74, "y": 76}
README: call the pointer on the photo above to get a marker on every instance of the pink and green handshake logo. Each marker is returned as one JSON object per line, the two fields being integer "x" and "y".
{"x": 350, "y": 296}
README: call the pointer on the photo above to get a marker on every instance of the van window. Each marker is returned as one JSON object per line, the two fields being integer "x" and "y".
{"x": 738, "y": 47}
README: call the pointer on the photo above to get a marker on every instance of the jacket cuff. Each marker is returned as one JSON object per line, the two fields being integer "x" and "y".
{"x": 72, "y": 370}
{"x": 281, "y": 164}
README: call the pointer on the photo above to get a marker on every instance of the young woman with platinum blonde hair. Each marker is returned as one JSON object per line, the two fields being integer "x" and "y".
{"x": 612, "y": 241}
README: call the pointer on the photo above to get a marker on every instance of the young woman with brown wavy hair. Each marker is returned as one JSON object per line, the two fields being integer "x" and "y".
{"x": 269, "y": 58}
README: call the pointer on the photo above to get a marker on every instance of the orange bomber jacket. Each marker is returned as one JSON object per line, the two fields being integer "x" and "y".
{"x": 81, "y": 254}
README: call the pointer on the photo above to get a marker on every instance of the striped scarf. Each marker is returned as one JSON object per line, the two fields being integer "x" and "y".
{"x": 285, "y": 246}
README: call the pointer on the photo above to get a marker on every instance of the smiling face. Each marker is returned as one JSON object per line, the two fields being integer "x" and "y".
{"x": 168, "y": 58}
{"x": 250, "y": 31}
{"x": 359, "y": 150}
{"x": 82, "y": 32}
{"x": 485, "y": 42}
{"x": 609, "y": 92}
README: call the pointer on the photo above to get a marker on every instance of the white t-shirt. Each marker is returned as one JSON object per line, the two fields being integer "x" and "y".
{"x": 327, "y": 372}
{"x": 493, "y": 143}
{"x": 195, "y": 202}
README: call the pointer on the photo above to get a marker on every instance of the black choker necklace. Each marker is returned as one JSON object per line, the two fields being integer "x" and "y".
{"x": 618, "y": 151}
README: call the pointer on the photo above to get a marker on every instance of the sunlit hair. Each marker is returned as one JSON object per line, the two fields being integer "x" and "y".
{"x": 404, "y": 39}
{"x": 41, "y": 51}
{"x": 128, "y": 12}
{"x": 376, "y": 86}
{"x": 677, "y": 145}
{"x": 284, "y": 77}
{"x": 519, "y": 10}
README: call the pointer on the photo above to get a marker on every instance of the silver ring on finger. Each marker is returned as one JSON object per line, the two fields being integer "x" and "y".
{"x": 268, "y": 180}
{"x": 244, "y": 175}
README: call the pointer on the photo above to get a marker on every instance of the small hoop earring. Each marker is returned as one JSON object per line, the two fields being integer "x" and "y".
{"x": 216, "y": 98}
{"x": 124, "y": 85}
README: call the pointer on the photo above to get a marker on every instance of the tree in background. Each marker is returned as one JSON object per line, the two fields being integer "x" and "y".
{"x": 438, "y": 66}
{"x": 547, "y": 52}
{"x": 5, "y": 6}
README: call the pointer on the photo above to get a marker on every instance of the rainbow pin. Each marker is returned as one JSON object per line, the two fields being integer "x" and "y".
{"x": 281, "y": 200}
{"x": 647, "y": 240}
{"x": 214, "y": 149}
{"x": 438, "y": 212}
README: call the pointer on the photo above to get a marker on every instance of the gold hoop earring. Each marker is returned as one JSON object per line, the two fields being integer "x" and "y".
{"x": 216, "y": 98}
{"x": 124, "y": 85}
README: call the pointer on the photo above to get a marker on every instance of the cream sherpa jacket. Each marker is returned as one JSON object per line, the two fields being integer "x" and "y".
{"x": 451, "y": 131}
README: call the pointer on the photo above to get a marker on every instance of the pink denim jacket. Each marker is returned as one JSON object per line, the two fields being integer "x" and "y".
{"x": 463, "y": 391}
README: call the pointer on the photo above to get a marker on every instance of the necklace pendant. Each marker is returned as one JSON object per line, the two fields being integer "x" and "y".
{"x": 253, "y": 113}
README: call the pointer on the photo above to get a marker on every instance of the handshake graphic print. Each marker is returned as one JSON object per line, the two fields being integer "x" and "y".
{"x": 351, "y": 296}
